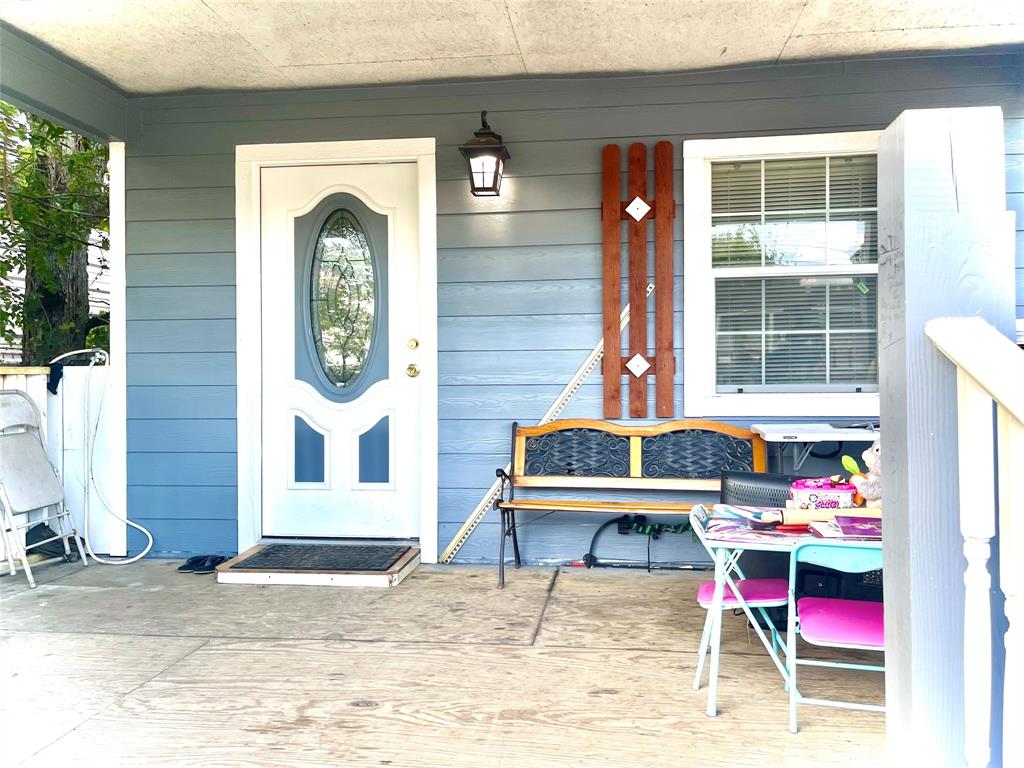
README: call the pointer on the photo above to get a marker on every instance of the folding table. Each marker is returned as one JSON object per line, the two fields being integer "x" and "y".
{"x": 809, "y": 435}
{"x": 726, "y": 547}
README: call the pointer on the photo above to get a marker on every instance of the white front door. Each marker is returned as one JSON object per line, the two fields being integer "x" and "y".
{"x": 341, "y": 400}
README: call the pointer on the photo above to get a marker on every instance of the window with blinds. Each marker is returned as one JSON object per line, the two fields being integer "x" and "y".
{"x": 794, "y": 259}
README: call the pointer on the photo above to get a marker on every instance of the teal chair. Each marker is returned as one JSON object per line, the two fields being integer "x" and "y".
{"x": 832, "y": 622}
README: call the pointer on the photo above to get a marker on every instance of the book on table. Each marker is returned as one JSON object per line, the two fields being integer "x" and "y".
{"x": 847, "y": 528}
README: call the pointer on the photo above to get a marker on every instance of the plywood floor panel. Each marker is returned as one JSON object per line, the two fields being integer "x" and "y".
{"x": 316, "y": 703}
{"x": 44, "y": 574}
{"x": 444, "y": 670}
{"x": 151, "y": 598}
{"x": 53, "y": 682}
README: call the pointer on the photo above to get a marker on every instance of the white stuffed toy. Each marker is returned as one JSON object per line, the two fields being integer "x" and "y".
{"x": 869, "y": 484}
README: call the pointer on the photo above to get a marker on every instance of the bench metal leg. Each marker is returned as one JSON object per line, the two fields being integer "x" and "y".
{"x": 501, "y": 551}
{"x": 515, "y": 538}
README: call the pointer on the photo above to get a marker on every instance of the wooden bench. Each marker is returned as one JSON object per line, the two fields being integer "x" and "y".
{"x": 683, "y": 455}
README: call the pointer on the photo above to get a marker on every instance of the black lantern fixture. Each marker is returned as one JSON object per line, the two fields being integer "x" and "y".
{"x": 485, "y": 159}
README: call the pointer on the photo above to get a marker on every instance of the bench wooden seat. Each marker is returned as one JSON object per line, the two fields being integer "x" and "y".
{"x": 681, "y": 455}
{"x": 619, "y": 507}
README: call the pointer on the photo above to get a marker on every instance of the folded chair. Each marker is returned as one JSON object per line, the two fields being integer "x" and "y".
{"x": 739, "y": 593}
{"x": 28, "y": 482}
{"x": 833, "y": 622}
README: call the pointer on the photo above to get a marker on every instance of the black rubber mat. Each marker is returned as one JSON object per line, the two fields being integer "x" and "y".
{"x": 323, "y": 557}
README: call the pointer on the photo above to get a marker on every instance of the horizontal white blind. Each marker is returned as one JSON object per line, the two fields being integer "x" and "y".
{"x": 816, "y": 331}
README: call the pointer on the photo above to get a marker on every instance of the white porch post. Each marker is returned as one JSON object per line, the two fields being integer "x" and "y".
{"x": 117, "y": 382}
{"x": 945, "y": 243}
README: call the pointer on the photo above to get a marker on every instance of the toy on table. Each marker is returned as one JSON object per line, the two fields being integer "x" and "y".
{"x": 822, "y": 493}
{"x": 869, "y": 482}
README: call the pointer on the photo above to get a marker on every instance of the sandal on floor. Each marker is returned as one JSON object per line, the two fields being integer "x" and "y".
{"x": 190, "y": 565}
{"x": 209, "y": 565}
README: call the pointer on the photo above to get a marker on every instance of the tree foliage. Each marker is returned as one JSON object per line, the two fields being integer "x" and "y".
{"x": 55, "y": 206}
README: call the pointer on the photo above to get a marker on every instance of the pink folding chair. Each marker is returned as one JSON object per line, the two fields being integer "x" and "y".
{"x": 833, "y": 622}
{"x": 739, "y": 593}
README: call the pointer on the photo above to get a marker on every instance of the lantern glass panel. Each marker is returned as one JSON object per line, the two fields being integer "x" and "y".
{"x": 485, "y": 173}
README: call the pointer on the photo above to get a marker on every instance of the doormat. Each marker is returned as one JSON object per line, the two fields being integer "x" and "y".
{"x": 323, "y": 557}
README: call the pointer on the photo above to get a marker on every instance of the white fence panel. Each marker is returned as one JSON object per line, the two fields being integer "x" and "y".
{"x": 64, "y": 432}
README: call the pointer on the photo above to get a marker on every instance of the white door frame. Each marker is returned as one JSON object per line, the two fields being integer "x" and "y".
{"x": 249, "y": 160}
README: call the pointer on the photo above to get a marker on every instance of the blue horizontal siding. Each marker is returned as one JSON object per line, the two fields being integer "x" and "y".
{"x": 185, "y": 502}
{"x": 194, "y": 302}
{"x": 519, "y": 276}
{"x": 182, "y": 435}
{"x": 179, "y": 538}
{"x": 192, "y": 335}
{"x": 181, "y": 368}
{"x": 182, "y": 269}
{"x": 182, "y": 468}
{"x": 181, "y": 402}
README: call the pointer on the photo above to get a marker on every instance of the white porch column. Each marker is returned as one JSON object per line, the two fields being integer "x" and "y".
{"x": 946, "y": 249}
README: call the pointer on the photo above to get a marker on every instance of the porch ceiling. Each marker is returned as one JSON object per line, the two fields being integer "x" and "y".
{"x": 158, "y": 46}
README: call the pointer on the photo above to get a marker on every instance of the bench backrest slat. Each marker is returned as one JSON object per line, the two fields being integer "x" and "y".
{"x": 587, "y": 453}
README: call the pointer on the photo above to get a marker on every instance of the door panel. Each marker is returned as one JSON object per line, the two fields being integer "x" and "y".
{"x": 340, "y": 298}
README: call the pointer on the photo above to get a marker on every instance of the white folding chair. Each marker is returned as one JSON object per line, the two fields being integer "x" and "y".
{"x": 28, "y": 482}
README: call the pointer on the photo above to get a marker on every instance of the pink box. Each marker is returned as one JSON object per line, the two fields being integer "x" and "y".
{"x": 821, "y": 493}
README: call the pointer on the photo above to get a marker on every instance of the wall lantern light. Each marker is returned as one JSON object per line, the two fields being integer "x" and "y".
{"x": 485, "y": 160}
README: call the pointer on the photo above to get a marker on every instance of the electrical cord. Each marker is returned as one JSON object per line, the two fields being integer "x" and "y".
{"x": 625, "y": 525}
{"x": 89, "y": 454}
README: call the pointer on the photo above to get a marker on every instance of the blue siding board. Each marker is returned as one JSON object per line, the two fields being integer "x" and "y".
{"x": 545, "y": 297}
{"x": 182, "y": 435}
{"x": 181, "y": 269}
{"x": 178, "y": 538}
{"x": 210, "y": 235}
{"x": 1013, "y": 128}
{"x": 182, "y": 469}
{"x": 527, "y": 331}
{"x": 181, "y": 368}
{"x": 194, "y": 302}
{"x": 519, "y": 293}
{"x": 1015, "y": 173}
{"x": 180, "y": 171}
{"x": 526, "y": 403}
{"x": 1015, "y": 203}
{"x": 189, "y": 204}
{"x": 505, "y": 263}
{"x": 563, "y": 541}
{"x": 181, "y": 402}
{"x": 181, "y": 335}
{"x": 184, "y": 502}
{"x": 514, "y": 366}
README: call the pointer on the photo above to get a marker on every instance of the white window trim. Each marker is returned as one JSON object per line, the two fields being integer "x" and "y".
{"x": 699, "y": 396}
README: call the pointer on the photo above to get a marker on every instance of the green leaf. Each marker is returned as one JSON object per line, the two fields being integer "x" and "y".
{"x": 850, "y": 465}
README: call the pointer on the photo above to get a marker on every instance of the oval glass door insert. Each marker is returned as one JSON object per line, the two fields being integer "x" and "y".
{"x": 342, "y": 298}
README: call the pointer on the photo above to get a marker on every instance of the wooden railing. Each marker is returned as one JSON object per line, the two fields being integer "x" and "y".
{"x": 990, "y": 369}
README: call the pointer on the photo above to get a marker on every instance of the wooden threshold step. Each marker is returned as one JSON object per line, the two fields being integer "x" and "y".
{"x": 230, "y": 573}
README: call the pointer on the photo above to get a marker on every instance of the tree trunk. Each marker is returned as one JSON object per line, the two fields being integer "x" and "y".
{"x": 56, "y": 283}
{"x": 57, "y": 310}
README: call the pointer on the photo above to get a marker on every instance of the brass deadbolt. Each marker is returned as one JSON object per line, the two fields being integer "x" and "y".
{"x": 413, "y": 343}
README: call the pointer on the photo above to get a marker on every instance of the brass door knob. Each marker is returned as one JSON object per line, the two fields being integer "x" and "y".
{"x": 412, "y": 370}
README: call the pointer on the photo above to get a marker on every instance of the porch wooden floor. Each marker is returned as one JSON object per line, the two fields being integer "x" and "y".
{"x": 139, "y": 665}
